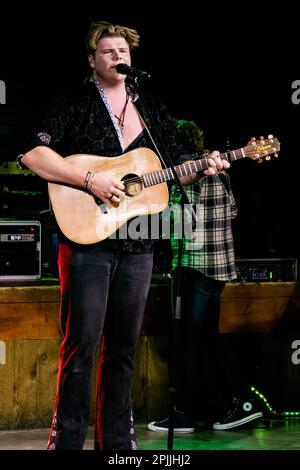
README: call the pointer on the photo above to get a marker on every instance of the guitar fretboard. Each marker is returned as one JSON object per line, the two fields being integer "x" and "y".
{"x": 187, "y": 168}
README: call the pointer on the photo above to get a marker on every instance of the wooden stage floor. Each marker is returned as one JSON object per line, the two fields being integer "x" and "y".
{"x": 283, "y": 434}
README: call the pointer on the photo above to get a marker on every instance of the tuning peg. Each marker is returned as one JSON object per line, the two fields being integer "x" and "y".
{"x": 275, "y": 154}
{"x": 262, "y": 140}
{"x": 270, "y": 137}
{"x": 260, "y": 160}
{"x": 253, "y": 141}
{"x": 268, "y": 157}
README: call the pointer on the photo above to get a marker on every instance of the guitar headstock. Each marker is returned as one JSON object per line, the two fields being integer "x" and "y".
{"x": 262, "y": 149}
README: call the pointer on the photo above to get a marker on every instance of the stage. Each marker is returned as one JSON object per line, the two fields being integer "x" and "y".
{"x": 283, "y": 434}
{"x": 260, "y": 319}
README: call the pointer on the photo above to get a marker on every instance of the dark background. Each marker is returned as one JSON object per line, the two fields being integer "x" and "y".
{"x": 229, "y": 68}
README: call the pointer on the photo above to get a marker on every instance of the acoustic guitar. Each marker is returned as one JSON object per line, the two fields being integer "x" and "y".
{"x": 85, "y": 219}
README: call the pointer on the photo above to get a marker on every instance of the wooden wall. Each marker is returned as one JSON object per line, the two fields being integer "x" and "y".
{"x": 30, "y": 338}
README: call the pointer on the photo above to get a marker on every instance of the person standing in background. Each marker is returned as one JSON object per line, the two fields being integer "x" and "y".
{"x": 209, "y": 380}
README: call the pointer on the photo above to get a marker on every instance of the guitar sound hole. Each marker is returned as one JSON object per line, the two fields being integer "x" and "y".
{"x": 133, "y": 184}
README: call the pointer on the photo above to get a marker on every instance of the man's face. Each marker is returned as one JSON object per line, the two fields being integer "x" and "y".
{"x": 109, "y": 53}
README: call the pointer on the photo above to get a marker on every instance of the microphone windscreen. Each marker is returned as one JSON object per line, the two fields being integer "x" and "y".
{"x": 122, "y": 68}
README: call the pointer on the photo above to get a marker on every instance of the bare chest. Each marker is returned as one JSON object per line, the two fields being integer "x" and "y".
{"x": 128, "y": 120}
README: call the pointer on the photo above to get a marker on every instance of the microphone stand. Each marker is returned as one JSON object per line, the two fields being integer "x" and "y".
{"x": 164, "y": 156}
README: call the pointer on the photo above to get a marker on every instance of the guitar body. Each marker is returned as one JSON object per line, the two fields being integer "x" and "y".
{"x": 85, "y": 220}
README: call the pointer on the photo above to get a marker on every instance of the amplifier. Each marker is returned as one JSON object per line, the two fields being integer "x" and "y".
{"x": 20, "y": 250}
{"x": 266, "y": 269}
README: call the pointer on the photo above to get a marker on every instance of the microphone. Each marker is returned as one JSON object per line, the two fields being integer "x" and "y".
{"x": 131, "y": 72}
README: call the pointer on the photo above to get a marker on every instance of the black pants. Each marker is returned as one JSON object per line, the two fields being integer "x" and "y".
{"x": 103, "y": 293}
{"x": 208, "y": 372}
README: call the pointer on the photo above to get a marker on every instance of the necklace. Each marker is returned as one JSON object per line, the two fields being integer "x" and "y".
{"x": 121, "y": 119}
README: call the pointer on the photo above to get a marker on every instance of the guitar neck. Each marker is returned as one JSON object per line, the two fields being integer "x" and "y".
{"x": 187, "y": 168}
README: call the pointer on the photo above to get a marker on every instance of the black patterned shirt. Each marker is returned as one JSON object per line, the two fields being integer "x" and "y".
{"x": 79, "y": 122}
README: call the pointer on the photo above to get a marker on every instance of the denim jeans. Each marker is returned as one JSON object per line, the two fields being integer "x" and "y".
{"x": 103, "y": 295}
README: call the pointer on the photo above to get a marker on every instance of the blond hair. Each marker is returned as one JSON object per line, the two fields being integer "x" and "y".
{"x": 102, "y": 29}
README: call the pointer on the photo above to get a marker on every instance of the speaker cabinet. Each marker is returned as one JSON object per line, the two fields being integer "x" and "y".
{"x": 20, "y": 250}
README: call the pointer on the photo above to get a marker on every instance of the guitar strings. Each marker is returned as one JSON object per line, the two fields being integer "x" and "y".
{"x": 138, "y": 179}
